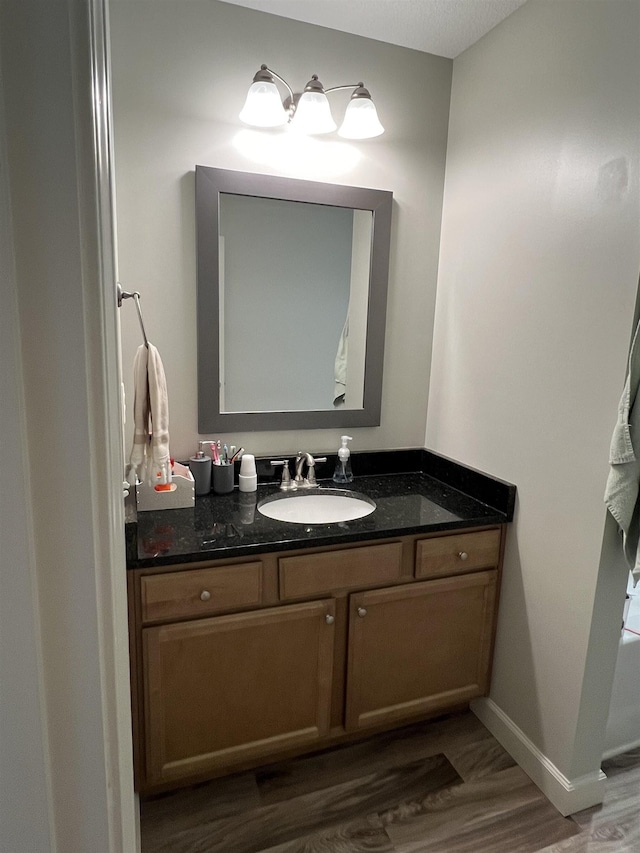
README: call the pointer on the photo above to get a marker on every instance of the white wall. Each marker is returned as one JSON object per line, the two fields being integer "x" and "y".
{"x": 582, "y": 108}
{"x": 24, "y": 760}
{"x": 65, "y": 729}
{"x": 180, "y": 75}
{"x": 539, "y": 265}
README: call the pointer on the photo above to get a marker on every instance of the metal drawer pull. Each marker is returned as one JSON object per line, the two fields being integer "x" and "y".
{"x": 463, "y": 555}
{"x": 362, "y": 611}
{"x": 205, "y": 595}
{"x": 329, "y": 619}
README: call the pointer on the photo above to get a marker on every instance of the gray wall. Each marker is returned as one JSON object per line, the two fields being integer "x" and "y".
{"x": 538, "y": 274}
{"x": 180, "y": 76}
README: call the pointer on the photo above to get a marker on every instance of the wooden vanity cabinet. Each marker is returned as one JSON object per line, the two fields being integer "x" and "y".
{"x": 233, "y": 688}
{"x": 418, "y": 648}
{"x": 236, "y": 664}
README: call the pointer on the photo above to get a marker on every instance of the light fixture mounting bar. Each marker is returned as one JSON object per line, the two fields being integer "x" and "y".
{"x": 281, "y": 79}
{"x": 346, "y": 86}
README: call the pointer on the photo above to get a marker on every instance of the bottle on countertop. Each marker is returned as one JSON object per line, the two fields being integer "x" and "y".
{"x": 200, "y": 467}
{"x": 343, "y": 472}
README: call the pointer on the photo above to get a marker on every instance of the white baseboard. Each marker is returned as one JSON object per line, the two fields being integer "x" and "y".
{"x": 567, "y": 795}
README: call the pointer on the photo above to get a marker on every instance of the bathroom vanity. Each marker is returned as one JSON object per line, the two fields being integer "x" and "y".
{"x": 253, "y": 640}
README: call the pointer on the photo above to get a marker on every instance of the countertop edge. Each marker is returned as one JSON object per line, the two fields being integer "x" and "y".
{"x": 495, "y": 500}
{"x": 315, "y": 543}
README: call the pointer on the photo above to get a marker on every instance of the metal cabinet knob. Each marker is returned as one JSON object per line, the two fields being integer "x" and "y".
{"x": 362, "y": 611}
{"x": 205, "y": 595}
{"x": 329, "y": 619}
{"x": 463, "y": 555}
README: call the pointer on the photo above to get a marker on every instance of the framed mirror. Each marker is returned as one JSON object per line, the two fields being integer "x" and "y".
{"x": 292, "y": 293}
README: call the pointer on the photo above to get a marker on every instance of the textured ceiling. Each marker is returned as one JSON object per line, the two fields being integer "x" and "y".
{"x": 441, "y": 27}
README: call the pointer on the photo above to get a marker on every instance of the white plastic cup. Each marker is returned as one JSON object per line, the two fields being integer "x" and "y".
{"x": 248, "y": 478}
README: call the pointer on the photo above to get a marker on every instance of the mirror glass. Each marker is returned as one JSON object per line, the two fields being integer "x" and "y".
{"x": 292, "y": 282}
{"x": 277, "y": 276}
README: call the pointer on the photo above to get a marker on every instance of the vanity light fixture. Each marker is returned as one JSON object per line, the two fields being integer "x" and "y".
{"x": 309, "y": 112}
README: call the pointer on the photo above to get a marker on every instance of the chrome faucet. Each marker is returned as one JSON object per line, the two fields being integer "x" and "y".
{"x": 308, "y": 482}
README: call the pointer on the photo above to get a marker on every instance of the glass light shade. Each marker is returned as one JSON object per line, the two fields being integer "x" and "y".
{"x": 360, "y": 120}
{"x": 313, "y": 114}
{"x": 263, "y": 107}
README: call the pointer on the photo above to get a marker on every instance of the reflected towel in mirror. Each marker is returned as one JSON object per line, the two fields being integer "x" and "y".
{"x": 340, "y": 368}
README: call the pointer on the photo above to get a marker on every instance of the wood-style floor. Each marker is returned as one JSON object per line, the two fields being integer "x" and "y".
{"x": 445, "y": 786}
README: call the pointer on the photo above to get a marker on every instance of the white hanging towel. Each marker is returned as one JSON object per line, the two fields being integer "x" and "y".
{"x": 623, "y": 483}
{"x": 150, "y": 451}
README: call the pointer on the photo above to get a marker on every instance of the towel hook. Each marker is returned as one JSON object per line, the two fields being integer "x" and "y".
{"x": 124, "y": 294}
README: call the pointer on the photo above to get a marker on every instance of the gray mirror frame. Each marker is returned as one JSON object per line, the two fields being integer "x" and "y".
{"x": 210, "y": 182}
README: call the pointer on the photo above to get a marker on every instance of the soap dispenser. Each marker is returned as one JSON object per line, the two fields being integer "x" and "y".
{"x": 343, "y": 473}
{"x": 200, "y": 466}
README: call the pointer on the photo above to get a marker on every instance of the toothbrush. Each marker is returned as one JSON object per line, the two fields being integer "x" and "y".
{"x": 238, "y": 452}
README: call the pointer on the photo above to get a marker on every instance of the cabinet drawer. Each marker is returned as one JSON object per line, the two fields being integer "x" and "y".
{"x": 453, "y": 555}
{"x": 310, "y": 574}
{"x": 200, "y": 592}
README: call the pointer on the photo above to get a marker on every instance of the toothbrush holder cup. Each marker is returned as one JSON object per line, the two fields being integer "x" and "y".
{"x": 222, "y": 478}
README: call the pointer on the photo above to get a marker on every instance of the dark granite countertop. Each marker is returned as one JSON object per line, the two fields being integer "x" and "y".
{"x": 416, "y": 491}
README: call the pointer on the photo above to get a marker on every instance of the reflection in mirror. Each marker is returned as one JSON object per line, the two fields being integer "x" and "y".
{"x": 291, "y": 302}
{"x": 311, "y": 299}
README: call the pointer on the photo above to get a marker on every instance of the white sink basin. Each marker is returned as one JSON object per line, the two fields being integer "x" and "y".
{"x": 317, "y": 507}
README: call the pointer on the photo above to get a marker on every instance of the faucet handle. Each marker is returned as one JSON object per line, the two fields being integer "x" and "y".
{"x": 311, "y": 471}
{"x": 285, "y": 484}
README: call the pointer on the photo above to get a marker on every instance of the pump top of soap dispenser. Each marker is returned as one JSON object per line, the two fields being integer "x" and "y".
{"x": 344, "y": 451}
{"x": 343, "y": 473}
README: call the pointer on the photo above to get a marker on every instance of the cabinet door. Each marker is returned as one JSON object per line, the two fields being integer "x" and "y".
{"x": 228, "y": 689}
{"x": 419, "y": 648}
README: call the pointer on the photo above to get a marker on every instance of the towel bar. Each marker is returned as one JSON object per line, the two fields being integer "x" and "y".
{"x": 124, "y": 294}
